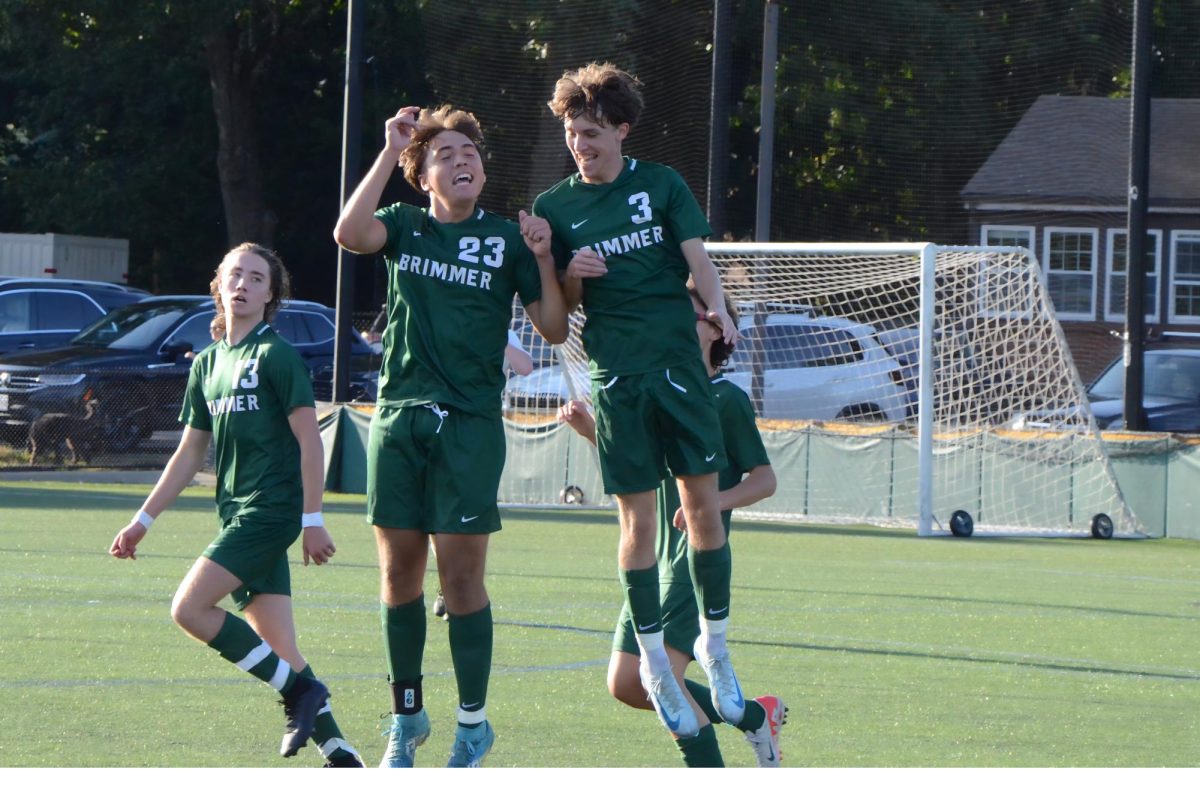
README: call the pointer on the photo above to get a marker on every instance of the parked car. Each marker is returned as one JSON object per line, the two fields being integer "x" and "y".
{"x": 133, "y": 363}
{"x": 813, "y": 368}
{"x": 45, "y": 313}
{"x": 545, "y": 387}
{"x": 819, "y": 368}
{"x": 1171, "y": 391}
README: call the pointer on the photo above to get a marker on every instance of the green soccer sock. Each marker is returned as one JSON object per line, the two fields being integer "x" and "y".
{"x": 754, "y": 718}
{"x": 471, "y": 653}
{"x": 711, "y": 571}
{"x": 404, "y": 644}
{"x": 701, "y": 750}
{"x": 326, "y": 733}
{"x": 751, "y": 721}
{"x": 237, "y": 642}
{"x": 641, "y": 594}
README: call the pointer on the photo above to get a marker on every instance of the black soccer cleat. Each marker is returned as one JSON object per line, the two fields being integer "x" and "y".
{"x": 300, "y": 707}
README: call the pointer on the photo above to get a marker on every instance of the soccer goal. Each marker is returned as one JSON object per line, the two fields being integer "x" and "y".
{"x": 906, "y": 385}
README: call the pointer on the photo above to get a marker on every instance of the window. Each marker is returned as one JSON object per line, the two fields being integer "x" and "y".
{"x": 1118, "y": 265}
{"x": 15, "y": 314}
{"x": 1070, "y": 263}
{"x": 195, "y": 331}
{"x": 63, "y": 311}
{"x": 1185, "y": 275}
{"x": 1006, "y": 236}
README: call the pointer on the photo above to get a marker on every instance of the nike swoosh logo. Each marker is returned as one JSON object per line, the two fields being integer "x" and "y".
{"x": 471, "y": 706}
{"x": 578, "y": 224}
{"x": 717, "y": 612}
{"x": 643, "y": 629}
{"x": 416, "y": 233}
{"x": 708, "y": 458}
{"x": 466, "y": 519}
{"x": 673, "y": 725}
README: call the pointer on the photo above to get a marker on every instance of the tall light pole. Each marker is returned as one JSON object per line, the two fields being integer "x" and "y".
{"x": 351, "y": 154}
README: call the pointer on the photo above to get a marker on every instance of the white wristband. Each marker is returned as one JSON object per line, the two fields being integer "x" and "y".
{"x": 144, "y": 518}
{"x": 312, "y": 520}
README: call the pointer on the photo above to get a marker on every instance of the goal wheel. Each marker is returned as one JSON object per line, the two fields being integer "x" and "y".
{"x": 961, "y": 524}
{"x": 571, "y": 495}
{"x": 1102, "y": 526}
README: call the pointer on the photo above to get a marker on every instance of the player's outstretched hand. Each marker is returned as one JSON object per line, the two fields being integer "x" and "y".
{"x": 587, "y": 264}
{"x": 678, "y": 521}
{"x": 398, "y": 131}
{"x": 318, "y": 545}
{"x": 125, "y": 544}
{"x": 575, "y": 414}
{"x": 536, "y": 232}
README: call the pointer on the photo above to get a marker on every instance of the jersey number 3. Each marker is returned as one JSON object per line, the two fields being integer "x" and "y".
{"x": 642, "y": 202}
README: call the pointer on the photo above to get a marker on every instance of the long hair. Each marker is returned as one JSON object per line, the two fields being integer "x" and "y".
{"x": 281, "y": 285}
{"x": 429, "y": 124}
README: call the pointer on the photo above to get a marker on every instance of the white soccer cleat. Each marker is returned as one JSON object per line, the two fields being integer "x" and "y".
{"x": 669, "y": 702}
{"x": 765, "y": 740}
{"x": 726, "y": 691}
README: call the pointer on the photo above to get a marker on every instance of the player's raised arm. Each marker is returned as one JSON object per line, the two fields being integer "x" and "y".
{"x": 358, "y": 229}
{"x": 549, "y": 313}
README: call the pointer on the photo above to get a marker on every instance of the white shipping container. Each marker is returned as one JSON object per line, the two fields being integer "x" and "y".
{"x": 51, "y": 255}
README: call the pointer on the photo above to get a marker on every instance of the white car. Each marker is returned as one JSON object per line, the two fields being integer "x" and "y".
{"x": 818, "y": 368}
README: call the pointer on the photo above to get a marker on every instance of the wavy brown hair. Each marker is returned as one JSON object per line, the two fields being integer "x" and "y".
{"x": 281, "y": 285}
{"x": 600, "y": 92}
{"x": 429, "y": 125}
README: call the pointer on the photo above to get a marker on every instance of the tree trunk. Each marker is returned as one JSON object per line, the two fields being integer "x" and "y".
{"x": 230, "y": 70}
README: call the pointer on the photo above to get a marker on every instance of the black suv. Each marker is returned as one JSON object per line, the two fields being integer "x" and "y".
{"x": 44, "y": 313}
{"x": 132, "y": 367}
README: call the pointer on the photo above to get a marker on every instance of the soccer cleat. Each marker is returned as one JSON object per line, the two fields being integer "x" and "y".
{"x": 471, "y": 745}
{"x": 765, "y": 739}
{"x": 300, "y": 706}
{"x": 439, "y": 606}
{"x": 407, "y": 733}
{"x": 726, "y": 692}
{"x": 669, "y": 702}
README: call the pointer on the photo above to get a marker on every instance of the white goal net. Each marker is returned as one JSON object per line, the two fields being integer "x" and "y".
{"x": 903, "y": 385}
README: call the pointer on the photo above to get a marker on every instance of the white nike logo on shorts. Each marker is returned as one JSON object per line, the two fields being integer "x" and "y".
{"x": 708, "y": 458}
{"x": 466, "y": 519}
{"x": 578, "y": 224}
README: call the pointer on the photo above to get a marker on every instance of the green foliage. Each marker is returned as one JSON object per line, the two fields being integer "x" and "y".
{"x": 892, "y": 650}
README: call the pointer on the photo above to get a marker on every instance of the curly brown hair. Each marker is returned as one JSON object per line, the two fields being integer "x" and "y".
{"x": 281, "y": 285}
{"x": 600, "y": 92}
{"x": 429, "y": 125}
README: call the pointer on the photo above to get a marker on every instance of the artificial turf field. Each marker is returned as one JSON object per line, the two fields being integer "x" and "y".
{"x": 891, "y": 650}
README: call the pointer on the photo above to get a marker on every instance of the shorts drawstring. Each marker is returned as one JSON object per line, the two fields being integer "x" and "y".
{"x": 672, "y": 383}
{"x": 442, "y": 415}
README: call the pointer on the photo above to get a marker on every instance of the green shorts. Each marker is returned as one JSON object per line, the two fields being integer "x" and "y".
{"x": 255, "y": 551}
{"x": 651, "y": 425}
{"x": 434, "y": 470}
{"x": 681, "y": 620}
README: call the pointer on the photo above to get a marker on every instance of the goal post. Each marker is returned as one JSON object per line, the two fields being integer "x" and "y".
{"x": 903, "y": 385}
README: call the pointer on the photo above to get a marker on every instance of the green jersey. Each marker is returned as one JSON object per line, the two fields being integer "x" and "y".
{"x": 449, "y": 305}
{"x": 744, "y": 451}
{"x": 243, "y": 395}
{"x": 639, "y": 316}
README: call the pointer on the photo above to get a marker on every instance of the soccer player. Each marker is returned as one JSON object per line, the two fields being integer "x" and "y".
{"x": 746, "y": 479}
{"x": 252, "y": 395}
{"x": 627, "y": 235}
{"x": 436, "y": 444}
